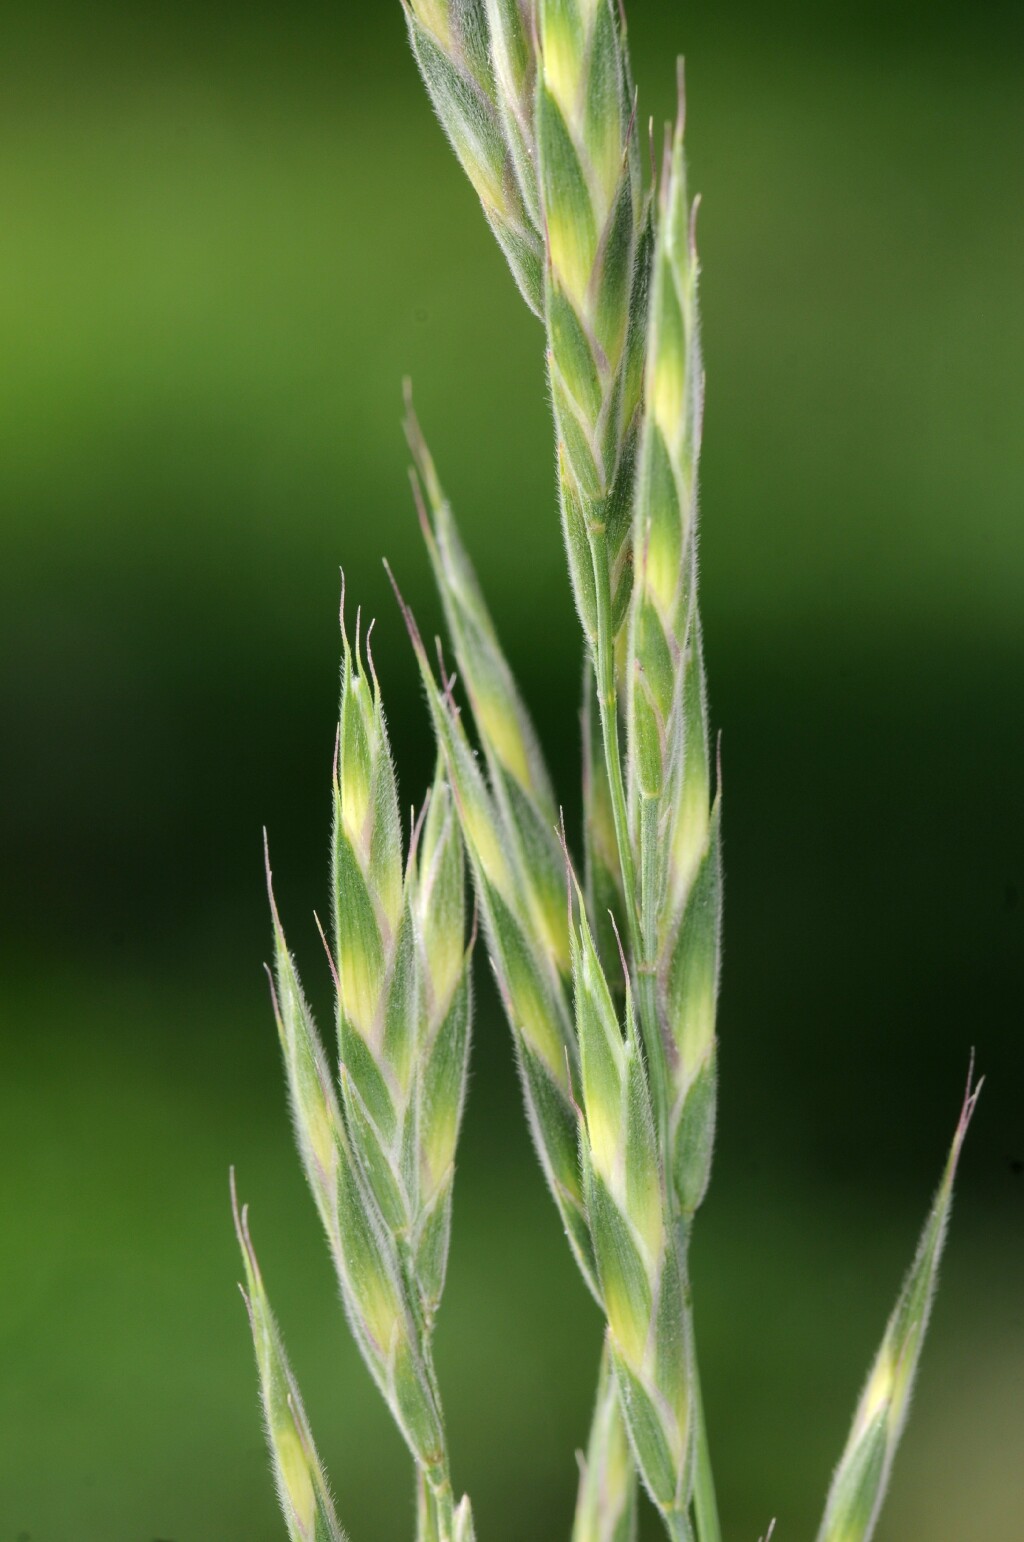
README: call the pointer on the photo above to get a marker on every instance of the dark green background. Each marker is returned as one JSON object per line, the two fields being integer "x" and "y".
{"x": 226, "y": 233}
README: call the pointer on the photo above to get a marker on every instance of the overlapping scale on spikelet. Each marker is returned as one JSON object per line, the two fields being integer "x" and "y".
{"x": 402, "y": 982}
{"x": 596, "y": 226}
{"x": 298, "y": 1474}
{"x": 527, "y": 950}
{"x": 606, "y": 1501}
{"x": 486, "y": 120}
{"x": 640, "y": 1259}
{"x": 380, "y": 1298}
{"x": 674, "y": 827}
{"x": 862, "y": 1476}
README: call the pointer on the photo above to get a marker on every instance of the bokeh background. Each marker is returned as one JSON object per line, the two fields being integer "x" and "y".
{"x": 227, "y": 233}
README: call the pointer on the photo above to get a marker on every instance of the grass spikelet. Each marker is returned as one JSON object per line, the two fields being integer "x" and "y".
{"x": 606, "y": 1501}
{"x": 450, "y": 39}
{"x": 378, "y": 1144}
{"x": 640, "y": 1259}
{"x": 862, "y": 1476}
{"x": 525, "y": 969}
{"x": 298, "y": 1474}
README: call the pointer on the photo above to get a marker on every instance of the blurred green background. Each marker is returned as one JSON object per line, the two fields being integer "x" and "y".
{"x": 227, "y": 232}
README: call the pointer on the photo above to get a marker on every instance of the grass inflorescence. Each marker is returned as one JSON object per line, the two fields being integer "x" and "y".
{"x": 607, "y": 964}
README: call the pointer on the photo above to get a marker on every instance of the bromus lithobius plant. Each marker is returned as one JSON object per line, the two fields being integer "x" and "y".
{"x": 607, "y": 961}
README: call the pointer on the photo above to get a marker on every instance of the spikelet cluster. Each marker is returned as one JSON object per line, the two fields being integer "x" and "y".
{"x": 403, "y": 988}
{"x": 377, "y": 1141}
{"x": 610, "y": 986}
{"x": 597, "y": 250}
{"x": 507, "y": 813}
{"x": 576, "y": 154}
{"x": 635, "y": 1059}
{"x": 638, "y": 1249}
{"x": 674, "y": 829}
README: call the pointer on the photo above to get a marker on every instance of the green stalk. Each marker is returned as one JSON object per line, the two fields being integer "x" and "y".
{"x": 436, "y": 1509}
{"x": 705, "y": 1503}
{"x": 678, "y": 1527}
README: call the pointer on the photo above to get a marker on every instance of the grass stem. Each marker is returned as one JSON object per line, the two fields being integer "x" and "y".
{"x": 705, "y": 1503}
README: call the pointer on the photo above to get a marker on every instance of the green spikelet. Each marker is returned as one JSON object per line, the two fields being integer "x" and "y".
{"x": 538, "y": 103}
{"x": 316, "y": 1116}
{"x": 378, "y": 1150}
{"x": 377, "y": 979}
{"x": 516, "y": 771}
{"x": 437, "y": 904}
{"x": 674, "y": 830}
{"x": 514, "y": 67}
{"x": 595, "y": 220}
{"x": 640, "y": 1261}
{"x": 860, "y": 1481}
{"x": 403, "y": 985}
{"x": 382, "y": 1305}
{"x": 298, "y": 1475}
{"x": 532, "y": 990}
{"x": 606, "y": 1502}
{"x": 450, "y": 40}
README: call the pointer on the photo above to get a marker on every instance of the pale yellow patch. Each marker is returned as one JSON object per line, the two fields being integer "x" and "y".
{"x": 445, "y": 952}
{"x": 356, "y": 794}
{"x": 605, "y": 149}
{"x": 486, "y": 186}
{"x": 499, "y": 726}
{"x": 617, "y": 1466}
{"x": 572, "y": 253}
{"x": 380, "y": 1310}
{"x": 561, "y": 61}
{"x": 434, "y": 15}
{"x": 689, "y": 835}
{"x": 550, "y": 917}
{"x": 482, "y": 838}
{"x": 647, "y": 1218}
{"x": 878, "y": 1392}
{"x": 604, "y": 1130}
{"x": 439, "y": 1150}
{"x": 903, "y": 1373}
{"x": 391, "y": 894}
{"x": 319, "y": 1128}
{"x": 698, "y": 1027}
{"x": 539, "y": 1031}
{"x": 668, "y": 393}
{"x": 661, "y": 568}
{"x": 296, "y": 1476}
{"x": 628, "y": 1326}
{"x": 360, "y": 989}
